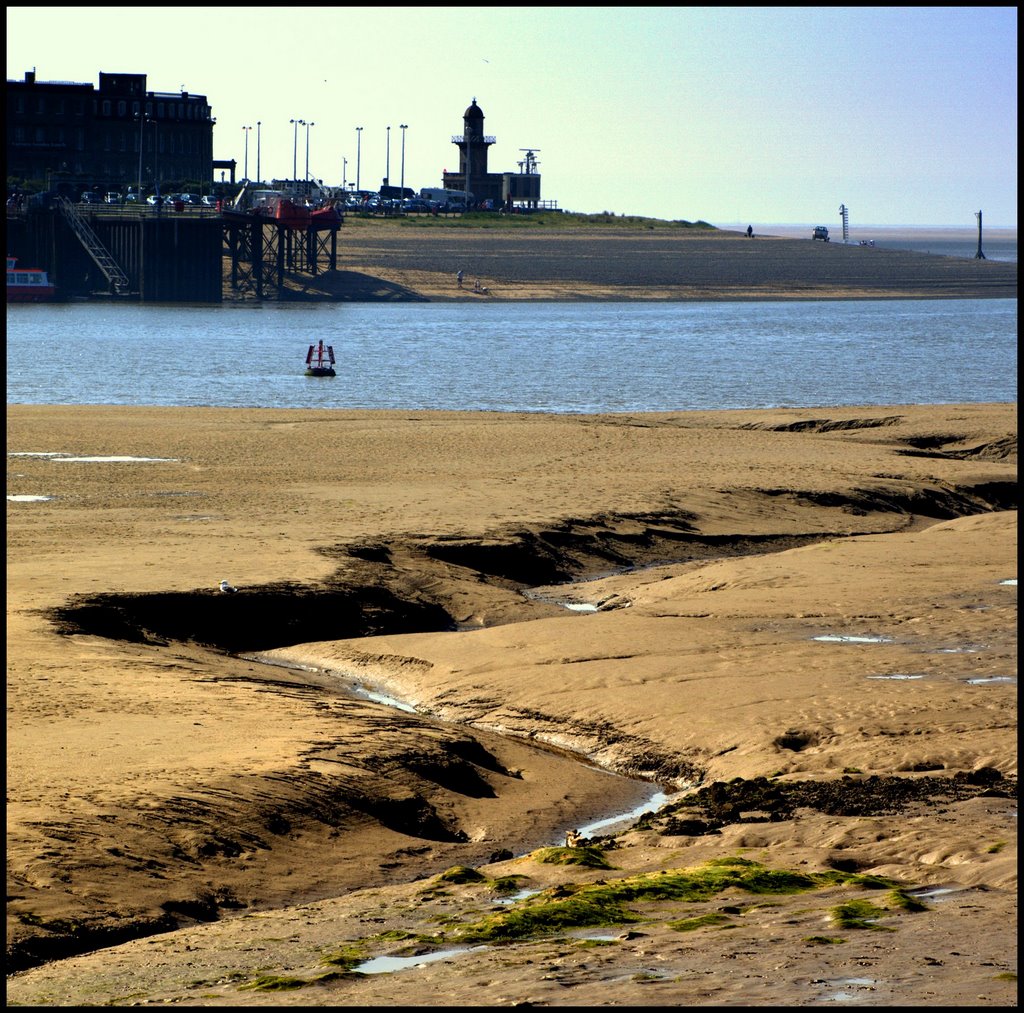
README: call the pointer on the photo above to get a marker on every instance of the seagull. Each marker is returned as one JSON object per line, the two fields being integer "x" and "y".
{"x": 227, "y": 588}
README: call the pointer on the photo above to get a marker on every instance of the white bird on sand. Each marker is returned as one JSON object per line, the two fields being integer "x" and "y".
{"x": 227, "y": 588}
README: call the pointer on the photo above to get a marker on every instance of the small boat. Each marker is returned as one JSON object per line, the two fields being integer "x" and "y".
{"x": 285, "y": 212}
{"x": 28, "y": 284}
{"x": 327, "y": 217}
{"x": 320, "y": 360}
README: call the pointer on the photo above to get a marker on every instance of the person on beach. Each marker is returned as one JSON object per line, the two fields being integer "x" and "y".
{"x": 458, "y": 279}
{"x": 750, "y": 232}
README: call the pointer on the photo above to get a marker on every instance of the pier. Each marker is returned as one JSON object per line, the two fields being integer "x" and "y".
{"x": 174, "y": 253}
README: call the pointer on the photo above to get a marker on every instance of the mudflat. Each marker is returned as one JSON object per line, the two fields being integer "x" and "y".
{"x": 419, "y": 259}
{"x": 455, "y": 639}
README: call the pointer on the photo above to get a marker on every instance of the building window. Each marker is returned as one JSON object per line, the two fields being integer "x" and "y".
{"x": 122, "y": 107}
{"x": 106, "y": 107}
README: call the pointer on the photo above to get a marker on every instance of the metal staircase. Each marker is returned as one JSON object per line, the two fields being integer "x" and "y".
{"x": 104, "y": 261}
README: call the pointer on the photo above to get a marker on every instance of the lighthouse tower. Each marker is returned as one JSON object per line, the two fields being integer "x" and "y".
{"x": 473, "y": 147}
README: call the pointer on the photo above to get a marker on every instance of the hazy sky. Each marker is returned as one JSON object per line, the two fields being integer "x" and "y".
{"x": 907, "y": 115}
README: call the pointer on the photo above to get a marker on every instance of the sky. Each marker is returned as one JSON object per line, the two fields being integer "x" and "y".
{"x": 905, "y": 115}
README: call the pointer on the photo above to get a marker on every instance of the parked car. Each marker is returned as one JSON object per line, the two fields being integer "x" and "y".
{"x": 416, "y": 207}
{"x": 210, "y": 200}
{"x": 820, "y": 232}
{"x": 112, "y": 198}
{"x": 91, "y": 198}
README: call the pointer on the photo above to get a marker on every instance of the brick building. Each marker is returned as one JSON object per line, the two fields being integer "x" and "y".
{"x": 113, "y": 137}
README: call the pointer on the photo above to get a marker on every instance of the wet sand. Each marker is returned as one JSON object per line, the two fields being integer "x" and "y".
{"x": 809, "y": 596}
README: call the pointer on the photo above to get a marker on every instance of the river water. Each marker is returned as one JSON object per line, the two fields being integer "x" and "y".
{"x": 512, "y": 357}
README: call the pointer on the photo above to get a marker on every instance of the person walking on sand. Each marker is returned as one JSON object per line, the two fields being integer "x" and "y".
{"x": 458, "y": 279}
{"x": 750, "y": 232}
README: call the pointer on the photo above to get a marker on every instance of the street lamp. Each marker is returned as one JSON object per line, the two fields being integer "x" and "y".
{"x": 295, "y": 149}
{"x": 344, "y": 173}
{"x": 387, "y": 161}
{"x": 156, "y": 161}
{"x": 258, "y": 176}
{"x": 308, "y": 125}
{"x": 359, "y": 137}
{"x": 142, "y": 122}
{"x": 403, "y": 127}
{"x": 246, "y": 131}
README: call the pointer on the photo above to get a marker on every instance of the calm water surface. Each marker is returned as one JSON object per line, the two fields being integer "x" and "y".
{"x": 533, "y": 357}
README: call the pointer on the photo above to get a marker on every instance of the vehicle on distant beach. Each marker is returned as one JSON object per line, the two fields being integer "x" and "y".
{"x": 820, "y": 232}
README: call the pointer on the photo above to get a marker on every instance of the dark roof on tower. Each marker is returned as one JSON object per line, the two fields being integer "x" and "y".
{"x": 473, "y": 112}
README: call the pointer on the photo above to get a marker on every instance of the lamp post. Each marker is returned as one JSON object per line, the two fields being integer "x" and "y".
{"x": 344, "y": 173}
{"x": 142, "y": 123}
{"x": 246, "y": 132}
{"x": 156, "y": 161}
{"x": 979, "y": 255}
{"x": 359, "y": 137}
{"x": 387, "y": 161}
{"x": 295, "y": 149}
{"x": 258, "y": 176}
{"x": 308, "y": 125}
{"x": 403, "y": 127}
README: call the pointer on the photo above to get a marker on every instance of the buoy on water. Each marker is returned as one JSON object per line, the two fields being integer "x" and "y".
{"x": 320, "y": 360}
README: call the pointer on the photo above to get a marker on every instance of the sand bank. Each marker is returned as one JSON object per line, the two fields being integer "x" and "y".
{"x": 391, "y": 261}
{"x": 813, "y": 596}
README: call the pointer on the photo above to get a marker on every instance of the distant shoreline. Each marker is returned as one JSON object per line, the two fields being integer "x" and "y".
{"x": 799, "y": 231}
{"x": 418, "y": 261}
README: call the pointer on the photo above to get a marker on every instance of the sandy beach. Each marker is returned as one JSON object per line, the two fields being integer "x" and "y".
{"x": 418, "y": 259}
{"x": 457, "y": 637}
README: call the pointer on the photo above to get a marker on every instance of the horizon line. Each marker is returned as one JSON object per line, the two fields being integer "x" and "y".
{"x": 870, "y": 225}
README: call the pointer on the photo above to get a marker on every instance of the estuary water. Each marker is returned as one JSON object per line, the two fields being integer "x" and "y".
{"x": 517, "y": 357}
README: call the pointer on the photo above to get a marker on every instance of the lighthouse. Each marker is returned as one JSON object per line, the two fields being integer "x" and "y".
{"x": 472, "y": 145}
{"x": 489, "y": 190}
